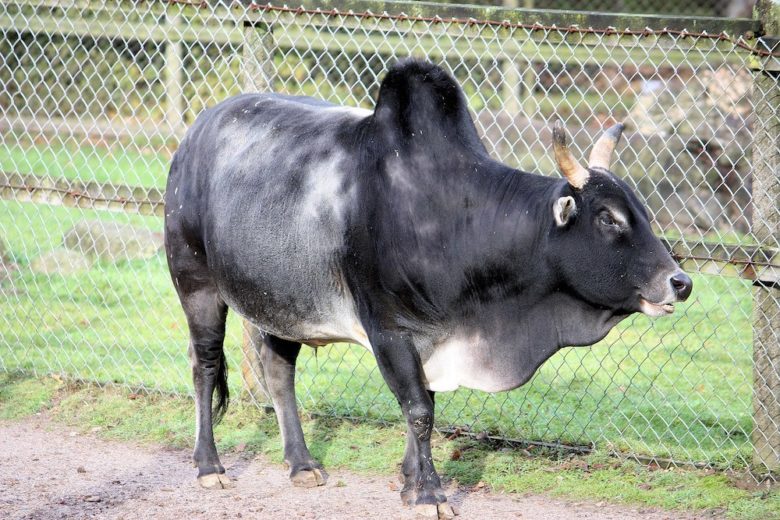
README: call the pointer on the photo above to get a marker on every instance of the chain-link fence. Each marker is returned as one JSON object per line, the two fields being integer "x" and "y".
{"x": 96, "y": 95}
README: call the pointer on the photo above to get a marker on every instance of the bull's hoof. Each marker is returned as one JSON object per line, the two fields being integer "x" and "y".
{"x": 215, "y": 481}
{"x": 426, "y": 511}
{"x": 309, "y": 478}
{"x": 441, "y": 511}
{"x": 445, "y": 511}
{"x": 408, "y": 497}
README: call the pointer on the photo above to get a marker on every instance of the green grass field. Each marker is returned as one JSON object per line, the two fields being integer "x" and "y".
{"x": 676, "y": 387}
{"x": 120, "y": 165}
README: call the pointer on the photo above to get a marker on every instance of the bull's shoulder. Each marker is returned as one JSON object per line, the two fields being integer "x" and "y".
{"x": 420, "y": 96}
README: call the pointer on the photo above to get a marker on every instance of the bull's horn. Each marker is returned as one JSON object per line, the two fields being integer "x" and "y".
{"x": 570, "y": 168}
{"x": 601, "y": 155}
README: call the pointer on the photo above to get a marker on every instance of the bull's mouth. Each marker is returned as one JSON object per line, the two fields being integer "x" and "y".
{"x": 655, "y": 309}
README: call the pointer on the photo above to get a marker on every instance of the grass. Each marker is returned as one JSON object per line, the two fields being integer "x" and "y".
{"x": 677, "y": 387}
{"x": 371, "y": 449}
{"x": 130, "y": 165}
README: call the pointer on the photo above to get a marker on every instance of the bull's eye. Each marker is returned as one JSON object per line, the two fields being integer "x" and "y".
{"x": 607, "y": 220}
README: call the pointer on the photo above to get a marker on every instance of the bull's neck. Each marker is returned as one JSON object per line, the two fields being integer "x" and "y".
{"x": 471, "y": 231}
{"x": 513, "y": 212}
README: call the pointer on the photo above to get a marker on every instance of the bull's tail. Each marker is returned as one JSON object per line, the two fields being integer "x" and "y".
{"x": 222, "y": 391}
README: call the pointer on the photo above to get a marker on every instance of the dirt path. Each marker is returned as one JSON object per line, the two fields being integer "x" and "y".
{"x": 52, "y": 472}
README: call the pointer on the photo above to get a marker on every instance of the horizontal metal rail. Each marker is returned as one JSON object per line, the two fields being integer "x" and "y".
{"x": 78, "y": 194}
{"x": 744, "y": 261}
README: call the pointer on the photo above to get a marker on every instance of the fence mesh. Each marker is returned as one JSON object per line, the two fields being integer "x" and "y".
{"x": 96, "y": 95}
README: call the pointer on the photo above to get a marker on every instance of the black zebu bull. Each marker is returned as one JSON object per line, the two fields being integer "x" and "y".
{"x": 395, "y": 230}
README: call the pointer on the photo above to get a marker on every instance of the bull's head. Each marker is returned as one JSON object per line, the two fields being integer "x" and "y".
{"x": 604, "y": 245}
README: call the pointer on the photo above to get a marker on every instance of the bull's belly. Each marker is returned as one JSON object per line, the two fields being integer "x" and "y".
{"x": 334, "y": 322}
{"x": 459, "y": 360}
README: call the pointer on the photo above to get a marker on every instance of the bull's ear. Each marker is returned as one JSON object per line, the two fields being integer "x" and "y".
{"x": 564, "y": 208}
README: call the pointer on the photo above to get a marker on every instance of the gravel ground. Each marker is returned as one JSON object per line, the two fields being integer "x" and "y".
{"x": 49, "y": 471}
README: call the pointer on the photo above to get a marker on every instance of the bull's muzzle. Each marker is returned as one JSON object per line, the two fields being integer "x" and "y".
{"x": 678, "y": 289}
{"x": 682, "y": 286}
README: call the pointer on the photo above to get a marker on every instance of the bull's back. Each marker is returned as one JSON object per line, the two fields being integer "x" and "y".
{"x": 264, "y": 185}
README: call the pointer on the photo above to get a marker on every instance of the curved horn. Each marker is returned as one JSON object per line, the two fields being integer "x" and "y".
{"x": 601, "y": 155}
{"x": 570, "y": 168}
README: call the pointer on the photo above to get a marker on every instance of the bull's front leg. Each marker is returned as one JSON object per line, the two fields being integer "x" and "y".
{"x": 400, "y": 365}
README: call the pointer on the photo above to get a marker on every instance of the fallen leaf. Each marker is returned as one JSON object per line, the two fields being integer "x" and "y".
{"x": 454, "y": 434}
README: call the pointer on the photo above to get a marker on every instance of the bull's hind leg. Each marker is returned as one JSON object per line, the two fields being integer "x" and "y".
{"x": 206, "y": 314}
{"x": 209, "y": 371}
{"x": 278, "y": 357}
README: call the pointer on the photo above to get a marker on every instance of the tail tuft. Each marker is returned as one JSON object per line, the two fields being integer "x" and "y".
{"x": 223, "y": 393}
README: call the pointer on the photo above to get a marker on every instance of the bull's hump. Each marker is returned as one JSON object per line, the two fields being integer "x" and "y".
{"x": 419, "y": 99}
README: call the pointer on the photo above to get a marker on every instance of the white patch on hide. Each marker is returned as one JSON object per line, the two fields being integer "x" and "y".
{"x": 323, "y": 196}
{"x": 399, "y": 176}
{"x": 455, "y": 363}
{"x": 354, "y": 111}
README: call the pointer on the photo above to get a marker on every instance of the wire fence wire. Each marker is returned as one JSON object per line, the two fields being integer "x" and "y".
{"x": 96, "y": 96}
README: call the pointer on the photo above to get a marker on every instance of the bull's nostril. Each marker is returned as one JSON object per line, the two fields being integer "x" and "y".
{"x": 682, "y": 285}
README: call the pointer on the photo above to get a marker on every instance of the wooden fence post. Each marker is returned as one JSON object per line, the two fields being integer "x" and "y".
{"x": 518, "y": 75}
{"x": 511, "y": 73}
{"x": 174, "y": 90}
{"x": 766, "y": 223}
{"x": 251, "y": 369}
{"x": 258, "y": 55}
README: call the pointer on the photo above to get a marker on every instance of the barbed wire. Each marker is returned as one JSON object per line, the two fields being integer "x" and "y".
{"x": 507, "y": 24}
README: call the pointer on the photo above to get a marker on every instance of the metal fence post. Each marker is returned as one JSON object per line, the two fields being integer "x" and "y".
{"x": 766, "y": 223}
{"x": 258, "y": 55}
